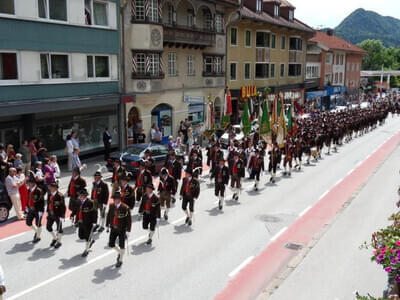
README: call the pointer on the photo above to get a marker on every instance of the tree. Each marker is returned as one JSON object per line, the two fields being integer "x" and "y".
{"x": 376, "y": 54}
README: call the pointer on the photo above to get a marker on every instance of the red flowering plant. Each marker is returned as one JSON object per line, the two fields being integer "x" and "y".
{"x": 386, "y": 245}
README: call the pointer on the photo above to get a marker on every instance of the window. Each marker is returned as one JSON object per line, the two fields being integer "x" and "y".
{"x": 207, "y": 20}
{"x": 190, "y": 18}
{"x": 342, "y": 59}
{"x": 99, "y": 16}
{"x": 53, "y": 9}
{"x": 218, "y": 65}
{"x": 7, "y": 7}
{"x": 259, "y": 6}
{"x": 170, "y": 14}
{"x": 190, "y": 65}
{"x": 8, "y": 66}
{"x": 262, "y": 71}
{"x": 337, "y": 59}
{"x": 234, "y": 36}
{"x": 272, "y": 73}
{"x": 140, "y": 63}
{"x": 247, "y": 71}
{"x": 54, "y": 66}
{"x": 153, "y": 10}
{"x": 340, "y": 77}
{"x": 294, "y": 70}
{"x": 98, "y": 67}
{"x": 273, "y": 40}
{"x": 247, "y": 38}
{"x": 208, "y": 64}
{"x": 291, "y": 14}
{"x": 219, "y": 23}
{"x": 328, "y": 59}
{"x": 233, "y": 71}
{"x": 282, "y": 70}
{"x": 336, "y": 77}
{"x": 283, "y": 42}
{"x": 276, "y": 10}
{"x": 140, "y": 10}
{"x": 295, "y": 44}
{"x": 262, "y": 39}
{"x": 327, "y": 79}
{"x": 312, "y": 72}
{"x": 154, "y": 60}
{"x": 172, "y": 64}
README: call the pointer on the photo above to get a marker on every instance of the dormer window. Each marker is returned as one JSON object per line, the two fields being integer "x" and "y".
{"x": 291, "y": 14}
{"x": 259, "y": 6}
{"x": 276, "y": 10}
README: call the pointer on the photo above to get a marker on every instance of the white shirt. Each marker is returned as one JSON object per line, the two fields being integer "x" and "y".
{"x": 11, "y": 185}
{"x": 70, "y": 147}
{"x": 2, "y": 282}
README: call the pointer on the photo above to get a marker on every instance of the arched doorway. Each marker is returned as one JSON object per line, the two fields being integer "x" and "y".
{"x": 134, "y": 125}
{"x": 217, "y": 111}
{"x": 161, "y": 115}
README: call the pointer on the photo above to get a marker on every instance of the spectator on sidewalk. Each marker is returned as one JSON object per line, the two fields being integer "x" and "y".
{"x": 56, "y": 167}
{"x": 18, "y": 163}
{"x": 156, "y": 134}
{"x": 107, "y": 143}
{"x": 10, "y": 153}
{"x": 33, "y": 152}
{"x": 75, "y": 139}
{"x": 76, "y": 162}
{"x": 70, "y": 150}
{"x": 141, "y": 137}
{"x": 190, "y": 140}
{"x": 2, "y": 283}
{"x": 12, "y": 186}
{"x": 26, "y": 157}
{"x": 23, "y": 190}
{"x": 48, "y": 172}
{"x": 42, "y": 151}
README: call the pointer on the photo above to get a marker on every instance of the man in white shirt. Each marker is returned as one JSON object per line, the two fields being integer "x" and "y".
{"x": 2, "y": 284}
{"x": 12, "y": 186}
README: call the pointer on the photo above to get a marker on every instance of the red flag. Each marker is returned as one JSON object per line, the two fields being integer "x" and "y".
{"x": 298, "y": 107}
{"x": 228, "y": 104}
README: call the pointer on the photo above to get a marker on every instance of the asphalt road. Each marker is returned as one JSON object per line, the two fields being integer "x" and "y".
{"x": 183, "y": 263}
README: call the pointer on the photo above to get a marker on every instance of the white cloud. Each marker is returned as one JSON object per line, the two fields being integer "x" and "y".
{"x": 331, "y": 13}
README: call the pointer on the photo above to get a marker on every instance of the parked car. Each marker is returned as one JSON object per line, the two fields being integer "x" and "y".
{"x": 5, "y": 203}
{"x": 239, "y": 134}
{"x": 132, "y": 155}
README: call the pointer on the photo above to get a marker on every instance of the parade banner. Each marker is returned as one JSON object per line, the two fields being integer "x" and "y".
{"x": 226, "y": 119}
{"x": 246, "y": 119}
{"x": 282, "y": 130}
{"x": 265, "y": 126}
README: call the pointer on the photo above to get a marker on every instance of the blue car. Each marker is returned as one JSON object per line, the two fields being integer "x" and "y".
{"x": 131, "y": 156}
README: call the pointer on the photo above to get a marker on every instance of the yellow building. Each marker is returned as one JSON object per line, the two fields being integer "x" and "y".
{"x": 266, "y": 48}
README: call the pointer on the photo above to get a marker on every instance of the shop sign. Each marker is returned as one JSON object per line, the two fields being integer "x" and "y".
{"x": 316, "y": 94}
{"x": 193, "y": 99}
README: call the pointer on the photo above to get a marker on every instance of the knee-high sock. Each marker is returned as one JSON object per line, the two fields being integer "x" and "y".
{"x": 53, "y": 234}
{"x": 59, "y": 236}
{"x": 151, "y": 233}
{"x": 34, "y": 228}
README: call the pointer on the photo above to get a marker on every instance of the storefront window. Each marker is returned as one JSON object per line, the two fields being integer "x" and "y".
{"x": 53, "y": 132}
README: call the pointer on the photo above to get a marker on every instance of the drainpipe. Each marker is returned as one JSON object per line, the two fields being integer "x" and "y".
{"x": 122, "y": 113}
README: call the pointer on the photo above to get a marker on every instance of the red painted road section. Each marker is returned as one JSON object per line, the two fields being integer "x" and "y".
{"x": 18, "y": 227}
{"x": 252, "y": 279}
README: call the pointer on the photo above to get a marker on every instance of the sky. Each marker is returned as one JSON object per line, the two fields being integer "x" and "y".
{"x": 329, "y": 13}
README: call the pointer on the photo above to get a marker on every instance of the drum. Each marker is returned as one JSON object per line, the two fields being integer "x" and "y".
{"x": 314, "y": 151}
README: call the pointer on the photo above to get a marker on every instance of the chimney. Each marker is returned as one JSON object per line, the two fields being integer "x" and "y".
{"x": 329, "y": 32}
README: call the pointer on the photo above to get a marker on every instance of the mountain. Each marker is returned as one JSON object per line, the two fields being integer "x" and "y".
{"x": 363, "y": 24}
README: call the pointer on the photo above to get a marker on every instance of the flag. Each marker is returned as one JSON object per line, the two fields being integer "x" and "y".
{"x": 265, "y": 127}
{"x": 226, "y": 119}
{"x": 282, "y": 130}
{"x": 245, "y": 119}
{"x": 298, "y": 107}
{"x": 292, "y": 127}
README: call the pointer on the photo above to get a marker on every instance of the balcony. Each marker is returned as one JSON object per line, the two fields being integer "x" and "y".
{"x": 180, "y": 36}
{"x": 213, "y": 74}
{"x": 147, "y": 75}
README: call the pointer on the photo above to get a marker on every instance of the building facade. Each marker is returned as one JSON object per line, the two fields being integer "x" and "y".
{"x": 59, "y": 71}
{"x": 174, "y": 62}
{"x": 340, "y": 69}
{"x": 267, "y": 49}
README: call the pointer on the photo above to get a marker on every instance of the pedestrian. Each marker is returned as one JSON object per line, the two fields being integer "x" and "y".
{"x": 10, "y": 153}
{"x": 2, "y": 284}
{"x": 23, "y": 190}
{"x": 156, "y": 134}
{"x": 76, "y": 161}
{"x": 56, "y": 167}
{"x": 150, "y": 161}
{"x": 237, "y": 173}
{"x": 12, "y": 185}
{"x": 150, "y": 208}
{"x": 86, "y": 220}
{"x": 70, "y": 149}
{"x": 120, "y": 222}
{"x": 33, "y": 151}
{"x": 48, "y": 172}
{"x": 107, "y": 143}
{"x": 75, "y": 139}
{"x": 26, "y": 157}
{"x": 118, "y": 172}
{"x": 18, "y": 163}
{"x": 127, "y": 193}
{"x": 143, "y": 179}
{"x": 141, "y": 137}
{"x": 256, "y": 165}
{"x": 190, "y": 140}
{"x": 55, "y": 214}
{"x": 76, "y": 184}
{"x": 189, "y": 193}
{"x": 171, "y": 143}
{"x": 41, "y": 152}
{"x": 35, "y": 209}
{"x": 99, "y": 196}
{"x": 166, "y": 188}
{"x": 174, "y": 168}
{"x": 180, "y": 142}
{"x": 39, "y": 176}
{"x": 221, "y": 177}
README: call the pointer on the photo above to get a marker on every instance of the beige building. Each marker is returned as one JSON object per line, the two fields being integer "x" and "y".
{"x": 267, "y": 48}
{"x": 174, "y": 53}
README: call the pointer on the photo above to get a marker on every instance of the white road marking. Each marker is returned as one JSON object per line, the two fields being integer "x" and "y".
{"x": 359, "y": 163}
{"x": 324, "y": 194}
{"x": 279, "y": 233}
{"x": 349, "y": 172}
{"x": 305, "y": 211}
{"x": 241, "y": 266}
{"x": 14, "y": 236}
{"x": 339, "y": 181}
{"x": 63, "y": 274}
